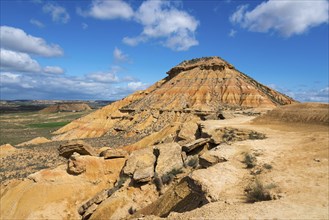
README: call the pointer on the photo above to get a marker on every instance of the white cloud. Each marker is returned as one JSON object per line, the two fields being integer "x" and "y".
{"x": 104, "y": 9}
{"x": 163, "y": 20}
{"x": 9, "y": 78}
{"x": 58, "y": 13}
{"x": 119, "y": 55}
{"x": 37, "y": 23}
{"x": 134, "y": 41}
{"x": 103, "y": 77}
{"x": 137, "y": 86}
{"x": 53, "y": 69}
{"x": 313, "y": 95}
{"x": 285, "y": 17}
{"x": 17, "y": 40}
{"x": 60, "y": 86}
{"x": 17, "y": 61}
{"x": 305, "y": 94}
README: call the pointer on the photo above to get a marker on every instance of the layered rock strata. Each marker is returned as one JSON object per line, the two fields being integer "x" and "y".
{"x": 193, "y": 90}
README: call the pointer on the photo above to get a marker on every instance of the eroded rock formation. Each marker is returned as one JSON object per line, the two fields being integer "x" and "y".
{"x": 193, "y": 90}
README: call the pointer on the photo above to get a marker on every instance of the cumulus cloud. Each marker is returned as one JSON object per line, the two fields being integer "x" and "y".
{"x": 60, "y": 86}
{"x": 163, "y": 20}
{"x": 17, "y": 40}
{"x": 17, "y": 61}
{"x": 58, "y": 13}
{"x": 119, "y": 55}
{"x": 37, "y": 23}
{"x": 285, "y": 17}
{"x": 103, "y": 77}
{"x": 53, "y": 69}
{"x": 104, "y": 9}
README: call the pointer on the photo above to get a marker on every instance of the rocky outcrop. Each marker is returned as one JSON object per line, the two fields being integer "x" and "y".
{"x": 64, "y": 192}
{"x": 169, "y": 158}
{"x": 66, "y": 107}
{"x": 80, "y": 147}
{"x": 114, "y": 153}
{"x": 188, "y": 132}
{"x": 192, "y": 91}
{"x": 195, "y": 144}
{"x": 216, "y": 179}
{"x": 140, "y": 165}
{"x": 182, "y": 197}
{"x": 227, "y": 134}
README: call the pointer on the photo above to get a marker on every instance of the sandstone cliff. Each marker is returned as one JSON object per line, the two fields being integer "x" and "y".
{"x": 191, "y": 91}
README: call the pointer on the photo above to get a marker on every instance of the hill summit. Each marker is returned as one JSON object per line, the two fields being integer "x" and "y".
{"x": 192, "y": 90}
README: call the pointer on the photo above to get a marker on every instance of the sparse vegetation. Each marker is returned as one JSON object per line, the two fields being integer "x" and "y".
{"x": 256, "y": 136}
{"x": 158, "y": 182}
{"x": 192, "y": 162}
{"x": 267, "y": 166}
{"x": 49, "y": 124}
{"x": 249, "y": 160}
{"x": 167, "y": 178}
{"x": 256, "y": 191}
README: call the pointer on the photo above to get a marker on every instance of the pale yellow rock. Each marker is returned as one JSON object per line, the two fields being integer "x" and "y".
{"x": 34, "y": 141}
{"x": 6, "y": 149}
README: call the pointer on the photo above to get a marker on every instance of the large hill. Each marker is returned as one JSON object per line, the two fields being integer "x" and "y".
{"x": 191, "y": 90}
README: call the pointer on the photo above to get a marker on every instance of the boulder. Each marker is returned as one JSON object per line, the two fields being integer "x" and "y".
{"x": 140, "y": 165}
{"x": 76, "y": 165}
{"x": 195, "y": 144}
{"x": 114, "y": 153}
{"x": 182, "y": 197}
{"x": 215, "y": 180}
{"x": 169, "y": 158}
{"x": 79, "y": 147}
{"x": 208, "y": 159}
{"x": 188, "y": 131}
{"x": 92, "y": 167}
{"x": 125, "y": 201}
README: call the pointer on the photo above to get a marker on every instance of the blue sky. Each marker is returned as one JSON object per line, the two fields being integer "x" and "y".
{"x": 102, "y": 49}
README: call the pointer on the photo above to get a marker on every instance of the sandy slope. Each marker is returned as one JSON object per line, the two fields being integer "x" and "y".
{"x": 299, "y": 156}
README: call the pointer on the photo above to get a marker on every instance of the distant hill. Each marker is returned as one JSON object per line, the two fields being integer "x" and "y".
{"x": 191, "y": 90}
{"x": 66, "y": 107}
{"x": 303, "y": 113}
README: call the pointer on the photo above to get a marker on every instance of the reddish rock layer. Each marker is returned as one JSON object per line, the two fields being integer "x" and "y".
{"x": 192, "y": 88}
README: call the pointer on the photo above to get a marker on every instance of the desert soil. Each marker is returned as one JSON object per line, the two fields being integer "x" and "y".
{"x": 298, "y": 154}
